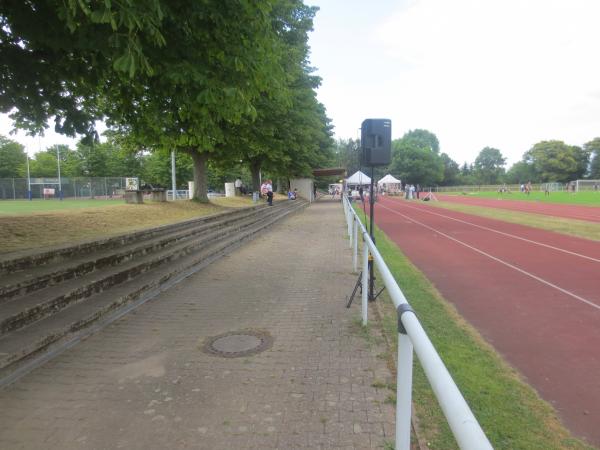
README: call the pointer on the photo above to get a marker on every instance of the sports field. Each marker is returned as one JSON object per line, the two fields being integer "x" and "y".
{"x": 21, "y": 207}
{"x": 591, "y": 198}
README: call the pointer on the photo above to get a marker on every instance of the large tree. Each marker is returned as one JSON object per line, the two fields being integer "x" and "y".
{"x": 593, "y": 148}
{"x": 451, "y": 171}
{"x": 415, "y": 161}
{"x": 12, "y": 158}
{"x": 521, "y": 172}
{"x": 555, "y": 161}
{"x": 489, "y": 166}
{"x": 423, "y": 139}
{"x": 290, "y": 133}
{"x": 226, "y": 54}
{"x": 56, "y": 54}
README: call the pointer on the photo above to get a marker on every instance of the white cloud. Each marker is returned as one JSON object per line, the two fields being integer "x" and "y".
{"x": 479, "y": 73}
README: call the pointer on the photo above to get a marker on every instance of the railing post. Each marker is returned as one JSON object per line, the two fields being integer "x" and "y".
{"x": 355, "y": 242}
{"x": 351, "y": 230}
{"x": 365, "y": 282}
{"x": 403, "y": 382}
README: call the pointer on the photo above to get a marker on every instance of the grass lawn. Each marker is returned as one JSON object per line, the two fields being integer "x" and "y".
{"x": 590, "y": 198}
{"x": 510, "y": 412}
{"x": 578, "y": 228}
{"x": 27, "y": 226}
{"x": 20, "y": 207}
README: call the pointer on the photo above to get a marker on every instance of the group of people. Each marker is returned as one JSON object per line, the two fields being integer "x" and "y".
{"x": 526, "y": 188}
{"x": 411, "y": 191}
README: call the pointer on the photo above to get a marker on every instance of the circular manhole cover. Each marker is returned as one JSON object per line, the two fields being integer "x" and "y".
{"x": 238, "y": 343}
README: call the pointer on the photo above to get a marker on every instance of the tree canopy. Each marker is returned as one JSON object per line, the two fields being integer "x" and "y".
{"x": 12, "y": 158}
{"x": 593, "y": 148}
{"x": 489, "y": 166}
{"x": 214, "y": 79}
{"x": 555, "y": 161}
{"x": 415, "y": 160}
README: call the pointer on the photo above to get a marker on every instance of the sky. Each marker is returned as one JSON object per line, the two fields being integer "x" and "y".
{"x": 476, "y": 73}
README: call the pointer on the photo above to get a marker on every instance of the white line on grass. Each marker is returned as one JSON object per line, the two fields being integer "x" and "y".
{"x": 518, "y": 269}
{"x": 558, "y": 249}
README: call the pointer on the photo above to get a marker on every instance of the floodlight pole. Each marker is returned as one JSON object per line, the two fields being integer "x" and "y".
{"x": 173, "y": 180}
{"x": 60, "y": 192}
{"x": 29, "y": 196}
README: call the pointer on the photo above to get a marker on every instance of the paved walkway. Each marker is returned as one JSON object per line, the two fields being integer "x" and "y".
{"x": 144, "y": 382}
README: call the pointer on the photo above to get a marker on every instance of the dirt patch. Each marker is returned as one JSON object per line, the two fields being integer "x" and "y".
{"x": 70, "y": 226}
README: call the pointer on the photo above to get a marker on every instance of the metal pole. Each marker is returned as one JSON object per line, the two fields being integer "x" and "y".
{"x": 355, "y": 242}
{"x": 403, "y": 391}
{"x": 173, "y": 180}
{"x": 372, "y": 233}
{"x": 365, "y": 280}
{"x": 60, "y": 192}
{"x": 29, "y": 196}
{"x": 14, "y": 192}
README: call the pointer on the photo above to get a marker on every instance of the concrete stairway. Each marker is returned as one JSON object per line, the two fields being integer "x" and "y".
{"x": 52, "y": 298}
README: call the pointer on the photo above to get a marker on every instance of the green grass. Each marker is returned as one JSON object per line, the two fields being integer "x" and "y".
{"x": 591, "y": 198}
{"x": 511, "y": 413}
{"x": 573, "y": 227}
{"x": 22, "y": 207}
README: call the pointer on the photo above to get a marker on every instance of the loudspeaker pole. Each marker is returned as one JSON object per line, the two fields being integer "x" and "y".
{"x": 372, "y": 233}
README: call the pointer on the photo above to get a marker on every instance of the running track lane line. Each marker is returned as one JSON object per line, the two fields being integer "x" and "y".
{"x": 504, "y": 234}
{"x": 518, "y": 269}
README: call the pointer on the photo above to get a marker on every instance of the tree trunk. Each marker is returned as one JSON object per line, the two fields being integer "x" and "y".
{"x": 255, "y": 171}
{"x": 200, "y": 178}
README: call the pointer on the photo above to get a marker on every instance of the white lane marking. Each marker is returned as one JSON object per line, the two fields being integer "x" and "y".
{"x": 518, "y": 269}
{"x": 587, "y": 218}
{"x": 558, "y": 249}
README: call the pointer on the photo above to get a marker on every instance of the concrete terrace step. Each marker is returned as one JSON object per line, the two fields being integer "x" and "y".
{"x": 38, "y": 326}
{"x": 82, "y": 262}
{"x": 23, "y": 310}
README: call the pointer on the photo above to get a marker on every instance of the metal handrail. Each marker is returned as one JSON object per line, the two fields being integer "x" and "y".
{"x": 412, "y": 336}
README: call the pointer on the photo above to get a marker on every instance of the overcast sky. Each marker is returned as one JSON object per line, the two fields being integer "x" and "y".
{"x": 477, "y": 73}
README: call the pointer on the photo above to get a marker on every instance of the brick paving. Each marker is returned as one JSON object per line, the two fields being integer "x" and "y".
{"x": 144, "y": 382}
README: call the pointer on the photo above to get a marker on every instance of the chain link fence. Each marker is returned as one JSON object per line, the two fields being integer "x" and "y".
{"x": 77, "y": 187}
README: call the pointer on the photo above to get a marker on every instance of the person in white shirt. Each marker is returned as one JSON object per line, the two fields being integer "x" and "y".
{"x": 269, "y": 192}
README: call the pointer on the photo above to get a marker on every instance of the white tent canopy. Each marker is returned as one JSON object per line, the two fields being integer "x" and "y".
{"x": 358, "y": 179}
{"x": 388, "y": 179}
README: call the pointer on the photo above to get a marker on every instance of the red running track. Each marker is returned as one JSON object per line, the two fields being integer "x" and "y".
{"x": 533, "y": 294}
{"x": 579, "y": 212}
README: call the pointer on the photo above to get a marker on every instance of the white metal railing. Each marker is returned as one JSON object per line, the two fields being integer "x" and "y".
{"x": 180, "y": 194}
{"x": 412, "y": 336}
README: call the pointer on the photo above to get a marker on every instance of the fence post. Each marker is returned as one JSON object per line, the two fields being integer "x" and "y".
{"x": 355, "y": 242}
{"x": 403, "y": 383}
{"x": 351, "y": 231}
{"x": 365, "y": 281}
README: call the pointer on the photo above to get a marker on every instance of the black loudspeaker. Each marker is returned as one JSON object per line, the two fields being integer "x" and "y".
{"x": 376, "y": 142}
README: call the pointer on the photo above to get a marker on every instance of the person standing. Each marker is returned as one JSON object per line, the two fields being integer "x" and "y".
{"x": 263, "y": 189}
{"x": 238, "y": 186}
{"x": 270, "y": 192}
{"x": 417, "y": 190}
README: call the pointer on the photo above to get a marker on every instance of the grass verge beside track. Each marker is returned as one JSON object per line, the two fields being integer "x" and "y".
{"x": 591, "y": 198}
{"x": 579, "y": 228}
{"x": 511, "y": 413}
